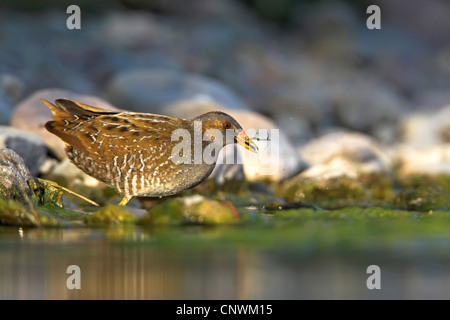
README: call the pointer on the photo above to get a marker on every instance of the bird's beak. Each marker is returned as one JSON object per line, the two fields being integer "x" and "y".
{"x": 243, "y": 139}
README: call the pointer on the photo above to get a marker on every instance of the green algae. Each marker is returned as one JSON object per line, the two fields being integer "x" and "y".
{"x": 49, "y": 193}
{"x": 354, "y": 210}
{"x": 354, "y": 229}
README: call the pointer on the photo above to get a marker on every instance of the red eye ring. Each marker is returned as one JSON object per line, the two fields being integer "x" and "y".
{"x": 226, "y": 125}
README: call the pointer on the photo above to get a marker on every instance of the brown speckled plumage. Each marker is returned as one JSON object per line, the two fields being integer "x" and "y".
{"x": 132, "y": 151}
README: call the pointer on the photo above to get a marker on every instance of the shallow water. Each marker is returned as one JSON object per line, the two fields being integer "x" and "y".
{"x": 206, "y": 263}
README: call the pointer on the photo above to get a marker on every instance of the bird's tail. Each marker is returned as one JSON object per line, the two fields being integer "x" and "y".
{"x": 65, "y": 107}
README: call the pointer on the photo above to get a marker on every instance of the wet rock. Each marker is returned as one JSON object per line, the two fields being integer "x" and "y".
{"x": 149, "y": 90}
{"x": 28, "y": 145}
{"x": 343, "y": 165}
{"x": 276, "y": 159}
{"x": 31, "y": 114}
{"x": 191, "y": 210}
{"x": 24, "y": 200}
{"x": 15, "y": 177}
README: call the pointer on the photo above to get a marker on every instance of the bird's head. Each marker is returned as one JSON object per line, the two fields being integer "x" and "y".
{"x": 218, "y": 125}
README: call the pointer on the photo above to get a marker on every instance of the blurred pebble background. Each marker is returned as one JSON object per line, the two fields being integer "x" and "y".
{"x": 311, "y": 67}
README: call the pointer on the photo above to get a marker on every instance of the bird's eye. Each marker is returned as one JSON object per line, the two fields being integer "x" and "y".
{"x": 226, "y": 125}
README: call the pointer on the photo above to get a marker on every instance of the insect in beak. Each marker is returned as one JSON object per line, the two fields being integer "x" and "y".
{"x": 243, "y": 140}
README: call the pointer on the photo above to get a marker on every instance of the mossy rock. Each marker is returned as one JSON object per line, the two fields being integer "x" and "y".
{"x": 42, "y": 208}
{"x": 166, "y": 212}
{"x": 210, "y": 188}
{"x": 424, "y": 198}
{"x": 331, "y": 189}
{"x": 111, "y": 215}
{"x": 16, "y": 214}
{"x": 424, "y": 192}
{"x": 379, "y": 186}
{"x": 212, "y": 212}
{"x": 191, "y": 210}
{"x": 340, "y": 191}
{"x": 413, "y": 181}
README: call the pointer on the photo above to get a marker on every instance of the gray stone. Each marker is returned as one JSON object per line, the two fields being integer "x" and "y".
{"x": 363, "y": 104}
{"x": 297, "y": 130}
{"x": 28, "y": 145}
{"x": 129, "y": 29}
{"x": 431, "y": 161}
{"x": 149, "y": 90}
{"x": 344, "y": 154}
{"x": 432, "y": 100}
{"x": 14, "y": 177}
{"x": 11, "y": 86}
{"x": 5, "y": 108}
{"x": 427, "y": 128}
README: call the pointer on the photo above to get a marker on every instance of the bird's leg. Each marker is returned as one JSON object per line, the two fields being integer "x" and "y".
{"x": 125, "y": 200}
